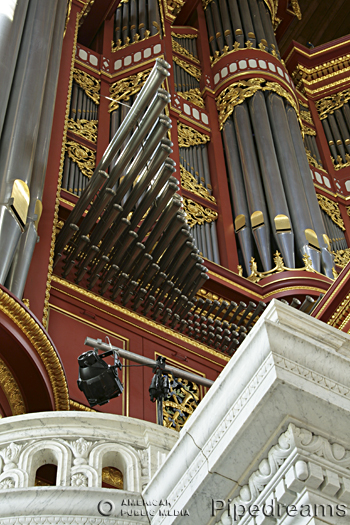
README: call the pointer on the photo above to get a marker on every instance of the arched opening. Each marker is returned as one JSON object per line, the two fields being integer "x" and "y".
{"x": 46, "y": 476}
{"x": 112, "y": 478}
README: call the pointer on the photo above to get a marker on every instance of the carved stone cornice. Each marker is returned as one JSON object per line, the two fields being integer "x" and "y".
{"x": 42, "y": 345}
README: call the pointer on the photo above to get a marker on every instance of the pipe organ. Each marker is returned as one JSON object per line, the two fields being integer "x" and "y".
{"x": 193, "y": 175}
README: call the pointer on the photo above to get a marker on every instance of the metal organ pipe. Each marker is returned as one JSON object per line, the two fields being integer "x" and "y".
{"x": 253, "y": 185}
{"x": 327, "y": 258}
{"x": 274, "y": 191}
{"x": 305, "y": 236}
{"x": 238, "y": 196}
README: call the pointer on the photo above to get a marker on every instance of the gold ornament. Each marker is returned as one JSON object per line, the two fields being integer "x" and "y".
{"x": 194, "y": 96}
{"x": 342, "y": 257}
{"x": 9, "y": 386}
{"x": 112, "y": 476}
{"x": 328, "y": 105}
{"x": 197, "y": 214}
{"x": 296, "y": 9}
{"x": 256, "y": 276}
{"x": 308, "y": 131}
{"x": 84, "y": 128}
{"x": 173, "y": 7}
{"x": 190, "y": 137}
{"x": 306, "y": 115}
{"x": 311, "y": 160}
{"x": 90, "y": 85}
{"x": 83, "y": 156}
{"x": 182, "y": 402}
{"x": 188, "y": 182}
{"x": 118, "y": 45}
{"x": 340, "y": 164}
{"x": 182, "y": 51}
{"x": 189, "y": 68}
{"x": 180, "y": 35}
{"x": 332, "y": 210}
{"x": 123, "y": 89}
{"x": 237, "y": 92}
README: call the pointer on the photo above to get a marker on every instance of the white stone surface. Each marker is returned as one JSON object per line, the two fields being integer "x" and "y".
{"x": 291, "y": 368}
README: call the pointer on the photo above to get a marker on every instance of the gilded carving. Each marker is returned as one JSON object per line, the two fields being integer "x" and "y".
{"x": 194, "y": 96}
{"x": 118, "y": 45}
{"x": 341, "y": 257}
{"x": 57, "y": 204}
{"x": 237, "y": 92}
{"x": 224, "y": 52}
{"x": 197, "y": 214}
{"x": 182, "y": 402}
{"x": 42, "y": 345}
{"x": 306, "y": 115}
{"x": 189, "y": 68}
{"x": 13, "y": 394}
{"x": 190, "y": 137}
{"x": 328, "y": 105}
{"x": 123, "y": 89}
{"x": 296, "y": 9}
{"x": 84, "y": 128}
{"x": 180, "y": 35}
{"x": 273, "y": 8}
{"x": 332, "y": 210}
{"x": 90, "y": 85}
{"x": 340, "y": 164}
{"x": 182, "y": 51}
{"x": 112, "y": 476}
{"x": 83, "y": 156}
{"x": 188, "y": 182}
{"x": 173, "y": 7}
{"x": 256, "y": 276}
{"x": 308, "y": 131}
{"x": 73, "y": 405}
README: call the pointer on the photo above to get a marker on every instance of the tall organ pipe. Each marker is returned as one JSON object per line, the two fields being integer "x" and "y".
{"x": 236, "y": 22}
{"x": 20, "y": 267}
{"x": 274, "y": 192}
{"x": 240, "y": 206}
{"x": 306, "y": 239}
{"x": 217, "y": 24}
{"x": 257, "y": 23}
{"x": 11, "y": 28}
{"x": 254, "y": 189}
{"x": 247, "y": 21}
{"x": 226, "y": 23}
{"x": 327, "y": 258}
{"x": 22, "y": 120}
{"x": 154, "y": 81}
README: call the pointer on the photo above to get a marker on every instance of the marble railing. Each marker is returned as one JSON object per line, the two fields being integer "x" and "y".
{"x": 80, "y": 445}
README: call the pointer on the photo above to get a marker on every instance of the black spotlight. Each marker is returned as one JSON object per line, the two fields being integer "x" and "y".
{"x": 160, "y": 387}
{"x": 98, "y": 380}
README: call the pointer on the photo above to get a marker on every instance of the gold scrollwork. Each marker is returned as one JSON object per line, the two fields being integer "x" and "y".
{"x": 188, "y": 182}
{"x": 341, "y": 257}
{"x": 182, "y": 51}
{"x": 173, "y": 7}
{"x": 182, "y": 402}
{"x": 42, "y": 345}
{"x": 84, "y": 128}
{"x": 118, "y": 45}
{"x": 296, "y": 9}
{"x": 273, "y": 8}
{"x": 69, "y": 8}
{"x": 237, "y": 92}
{"x": 83, "y": 156}
{"x": 332, "y": 210}
{"x": 311, "y": 160}
{"x": 194, "y": 96}
{"x": 226, "y": 51}
{"x": 125, "y": 88}
{"x": 328, "y": 105}
{"x": 180, "y": 35}
{"x": 13, "y": 394}
{"x": 197, "y": 214}
{"x": 90, "y": 85}
{"x": 340, "y": 164}
{"x": 256, "y": 276}
{"x": 189, "y": 68}
{"x": 113, "y": 477}
{"x": 190, "y": 137}
{"x": 306, "y": 115}
{"x": 308, "y": 131}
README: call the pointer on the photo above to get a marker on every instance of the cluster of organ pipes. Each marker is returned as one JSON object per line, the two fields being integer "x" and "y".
{"x": 231, "y": 21}
{"x": 189, "y": 44}
{"x": 335, "y": 234}
{"x": 271, "y": 187}
{"x": 184, "y": 81}
{"x": 311, "y": 145}
{"x": 337, "y": 130}
{"x": 136, "y": 20}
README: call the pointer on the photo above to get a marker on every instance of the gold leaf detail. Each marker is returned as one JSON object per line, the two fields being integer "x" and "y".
{"x": 342, "y": 257}
{"x": 189, "y": 68}
{"x": 84, "y": 128}
{"x": 125, "y": 88}
{"x": 183, "y": 400}
{"x": 188, "y": 182}
{"x": 329, "y": 104}
{"x": 90, "y": 85}
{"x": 194, "y": 96}
{"x": 83, "y": 156}
{"x": 197, "y": 214}
{"x": 182, "y": 51}
{"x": 296, "y": 9}
{"x": 332, "y": 210}
{"x": 308, "y": 131}
{"x": 173, "y": 7}
{"x": 180, "y": 35}
{"x": 306, "y": 115}
{"x": 190, "y": 137}
{"x": 118, "y": 45}
{"x": 237, "y": 92}
{"x": 340, "y": 164}
{"x": 311, "y": 160}
{"x": 112, "y": 476}
{"x": 13, "y": 394}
